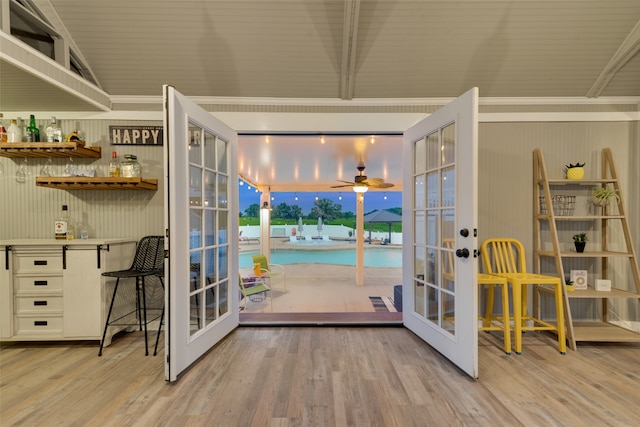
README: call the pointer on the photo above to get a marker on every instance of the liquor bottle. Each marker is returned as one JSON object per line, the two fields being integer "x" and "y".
{"x": 33, "y": 133}
{"x": 62, "y": 224}
{"x": 14, "y": 133}
{"x": 53, "y": 131}
{"x": 3, "y": 129}
{"x": 114, "y": 165}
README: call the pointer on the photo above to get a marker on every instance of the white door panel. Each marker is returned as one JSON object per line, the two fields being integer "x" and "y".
{"x": 439, "y": 230}
{"x": 202, "y": 269}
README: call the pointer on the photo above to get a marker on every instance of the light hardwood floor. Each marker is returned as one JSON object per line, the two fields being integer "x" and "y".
{"x": 320, "y": 376}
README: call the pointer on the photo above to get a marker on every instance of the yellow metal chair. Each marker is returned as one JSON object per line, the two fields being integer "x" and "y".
{"x": 270, "y": 270}
{"x": 489, "y": 321}
{"x": 505, "y": 258}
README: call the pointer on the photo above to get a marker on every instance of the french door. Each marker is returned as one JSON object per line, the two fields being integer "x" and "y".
{"x": 201, "y": 296}
{"x": 440, "y": 267}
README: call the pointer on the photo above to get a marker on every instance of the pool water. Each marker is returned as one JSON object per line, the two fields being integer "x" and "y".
{"x": 372, "y": 257}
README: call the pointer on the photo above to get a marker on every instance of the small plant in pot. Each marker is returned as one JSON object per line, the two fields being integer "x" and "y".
{"x": 574, "y": 171}
{"x": 580, "y": 241}
{"x": 568, "y": 284}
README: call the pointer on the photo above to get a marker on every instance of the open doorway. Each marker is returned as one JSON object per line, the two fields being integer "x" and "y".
{"x": 313, "y": 230}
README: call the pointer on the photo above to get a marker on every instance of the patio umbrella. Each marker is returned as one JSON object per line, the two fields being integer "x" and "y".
{"x": 319, "y": 225}
{"x": 300, "y": 226}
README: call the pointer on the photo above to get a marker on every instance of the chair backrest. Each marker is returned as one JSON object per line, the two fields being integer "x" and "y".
{"x": 503, "y": 255}
{"x": 447, "y": 258}
{"x": 149, "y": 254}
{"x": 262, "y": 260}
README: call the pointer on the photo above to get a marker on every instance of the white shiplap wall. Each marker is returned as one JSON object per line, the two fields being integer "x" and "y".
{"x": 28, "y": 211}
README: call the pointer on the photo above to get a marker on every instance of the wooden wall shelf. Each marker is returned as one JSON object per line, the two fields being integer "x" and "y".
{"x": 107, "y": 183}
{"x": 18, "y": 150}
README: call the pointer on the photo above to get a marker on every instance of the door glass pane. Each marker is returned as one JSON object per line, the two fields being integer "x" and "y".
{"x": 223, "y": 301}
{"x": 211, "y": 312}
{"x": 209, "y": 189}
{"x": 433, "y": 151}
{"x": 209, "y": 151}
{"x": 195, "y": 144}
{"x": 448, "y": 318}
{"x": 222, "y": 149}
{"x": 419, "y": 298}
{"x": 433, "y": 304}
{"x": 448, "y": 225}
{"x": 420, "y": 158}
{"x": 448, "y": 187}
{"x": 448, "y": 144}
{"x": 433, "y": 189}
{"x": 195, "y": 182}
{"x": 419, "y": 192}
{"x": 196, "y": 315}
{"x": 418, "y": 229}
{"x": 210, "y": 227}
{"x": 431, "y": 229}
{"x": 223, "y": 194}
{"x": 195, "y": 227}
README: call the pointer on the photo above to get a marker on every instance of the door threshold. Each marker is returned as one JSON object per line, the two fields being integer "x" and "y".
{"x": 320, "y": 319}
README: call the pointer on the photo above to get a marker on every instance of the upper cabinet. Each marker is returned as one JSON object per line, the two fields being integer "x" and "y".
{"x": 74, "y": 149}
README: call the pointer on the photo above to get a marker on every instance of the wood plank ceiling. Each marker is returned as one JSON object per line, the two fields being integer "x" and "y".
{"x": 337, "y": 50}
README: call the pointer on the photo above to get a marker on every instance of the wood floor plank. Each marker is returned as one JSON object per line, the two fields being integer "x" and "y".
{"x": 320, "y": 376}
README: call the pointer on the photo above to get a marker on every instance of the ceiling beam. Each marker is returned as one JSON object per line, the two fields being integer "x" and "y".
{"x": 627, "y": 50}
{"x": 349, "y": 39}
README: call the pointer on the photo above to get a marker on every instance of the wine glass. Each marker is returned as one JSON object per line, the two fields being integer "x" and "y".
{"x": 47, "y": 168}
{"x": 22, "y": 173}
{"x": 69, "y": 168}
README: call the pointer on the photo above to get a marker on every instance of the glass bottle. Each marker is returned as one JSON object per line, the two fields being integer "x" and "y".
{"x": 53, "y": 131}
{"x": 14, "y": 133}
{"x": 33, "y": 133}
{"x": 62, "y": 223}
{"x": 114, "y": 165}
{"x": 130, "y": 168}
{"x": 3, "y": 129}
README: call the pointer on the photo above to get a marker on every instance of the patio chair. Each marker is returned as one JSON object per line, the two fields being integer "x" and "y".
{"x": 254, "y": 288}
{"x": 270, "y": 270}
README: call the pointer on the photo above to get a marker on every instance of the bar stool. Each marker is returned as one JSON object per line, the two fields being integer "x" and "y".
{"x": 489, "y": 321}
{"x": 148, "y": 261}
{"x": 505, "y": 258}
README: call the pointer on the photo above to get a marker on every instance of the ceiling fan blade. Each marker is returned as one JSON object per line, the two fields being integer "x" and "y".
{"x": 377, "y": 183}
{"x": 346, "y": 182}
{"x": 381, "y": 185}
{"x": 342, "y": 186}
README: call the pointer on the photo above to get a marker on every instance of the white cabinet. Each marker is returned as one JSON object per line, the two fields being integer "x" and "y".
{"x": 54, "y": 290}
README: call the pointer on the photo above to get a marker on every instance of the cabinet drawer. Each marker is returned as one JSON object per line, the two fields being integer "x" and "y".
{"x": 38, "y": 283}
{"x": 38, "y": 304}
{"x": 38, "y": 262}
{"x": 35, "y": 325}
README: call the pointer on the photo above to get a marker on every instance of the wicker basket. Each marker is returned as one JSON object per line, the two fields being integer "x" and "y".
{"x": 562, "y": 205}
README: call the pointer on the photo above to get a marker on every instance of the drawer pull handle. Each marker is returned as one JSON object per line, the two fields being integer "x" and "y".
{"x": 39, "y": 283}
{"x": 39, "y": 323}
{"x": 40, "y": 303}
{"x": 40, "y": 262}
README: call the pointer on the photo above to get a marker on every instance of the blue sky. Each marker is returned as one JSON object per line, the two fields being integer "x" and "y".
{"x": 373, "y": 200}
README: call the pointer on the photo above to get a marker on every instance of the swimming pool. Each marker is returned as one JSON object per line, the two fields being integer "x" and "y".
{"x": 379, "y": 257}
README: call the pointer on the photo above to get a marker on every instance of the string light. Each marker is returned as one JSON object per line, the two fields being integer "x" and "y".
{"x": 340, "y": 196}
{"x": 296, "y": 197}
{"x": 373, "y": 140}
{"x": 267, "y": 139}
{"x": 317, "y": 196}
{"x": 385, "y": 196}
{"x": 322, "y": 139}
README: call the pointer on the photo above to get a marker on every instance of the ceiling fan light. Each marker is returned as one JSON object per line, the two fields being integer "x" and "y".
{"x": 359, "y": 188}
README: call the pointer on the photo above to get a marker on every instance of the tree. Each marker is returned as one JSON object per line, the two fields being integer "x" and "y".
{"x": 327, "y": 209}
{"x": 252, "y": 211}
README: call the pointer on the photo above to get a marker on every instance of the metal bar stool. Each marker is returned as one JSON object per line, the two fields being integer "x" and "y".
{"x": 148, "y": 261}
{"x": 506, "y": 258}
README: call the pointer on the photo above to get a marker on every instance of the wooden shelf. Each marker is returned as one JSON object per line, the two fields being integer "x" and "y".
{"x": 597, "y": 261}
{"x": 18, "y": 150}
{"x": 107, "y": 183}
{"x": 592, "y": 293}
{"x": 603, "y": 332}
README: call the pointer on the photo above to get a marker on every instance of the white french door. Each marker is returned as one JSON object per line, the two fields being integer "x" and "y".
{"x": 201, "y": 294}
{"x": 440, "y": 265}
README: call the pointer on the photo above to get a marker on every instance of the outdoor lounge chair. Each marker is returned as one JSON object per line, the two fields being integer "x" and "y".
{"x": 270, "y": 270}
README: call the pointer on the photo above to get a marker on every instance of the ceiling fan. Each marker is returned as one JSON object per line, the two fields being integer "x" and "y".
{"x": 361, "y": 182}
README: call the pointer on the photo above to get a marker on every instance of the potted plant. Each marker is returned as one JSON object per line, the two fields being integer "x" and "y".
{"x": 600, "y": 196}
{"x": 580, "y": 241}
{"x": 574, "y": 171}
